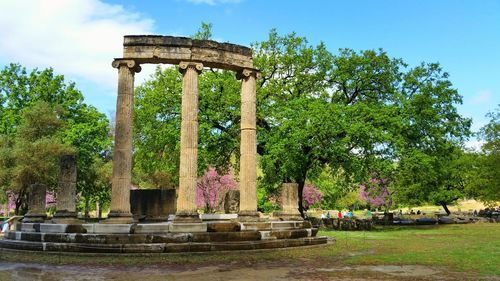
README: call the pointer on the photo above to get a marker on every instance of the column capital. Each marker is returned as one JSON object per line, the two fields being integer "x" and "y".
{"x": 184, "y": 65}
{"x": 247, "y": 72}
{"x": 131, "y": 64}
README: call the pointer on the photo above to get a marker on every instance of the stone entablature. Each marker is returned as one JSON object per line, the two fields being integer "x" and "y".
{"x": 173, "y": 50}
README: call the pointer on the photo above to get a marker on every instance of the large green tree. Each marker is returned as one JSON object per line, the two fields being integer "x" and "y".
{"x": 82, "y": 126}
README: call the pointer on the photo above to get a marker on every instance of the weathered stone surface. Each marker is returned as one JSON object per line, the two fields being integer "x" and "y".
{"x": 152, "y": 204}
{"x": 53, "y": 228}
{"x": 171, "y": 238}
{"x": 289, "y": 203}
{"x": 36, "y": 204}
{"x": 122, "y": 154}
{"x": 112, "y": 228}
{"x": 218, "y": 217}
{"x": 226, "y": 236}
{"x": 188, "y": 227}
{"x": 151, "y": 228}
{"x": 283, "y": 225}
{"x": 66, "y": 195}
{"x": 173, "y": 50}
{"x": 223, "y": 226}
{"x": 143, "y": 248}
{"x": 232, "y": 202}
{"x": 255, "y": 226}
{"x": 186, "y": 200}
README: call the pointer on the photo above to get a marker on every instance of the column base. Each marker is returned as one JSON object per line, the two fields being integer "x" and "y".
{"x": 34, "y": 217}
{"x": 186, "y": 217}
{"x": 119, "y": 218}
{"x": 287, "y": 215}
{"x": 66, "y": 217}
{"x": 249, "y": 216}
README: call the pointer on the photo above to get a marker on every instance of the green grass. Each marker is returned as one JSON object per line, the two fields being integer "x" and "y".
{"x": 472, "y": 249}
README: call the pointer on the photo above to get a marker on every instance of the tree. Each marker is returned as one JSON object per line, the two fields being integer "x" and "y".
{"x": 430, "y": 137}
{"x": 375, "y": 193}
{"x": 36, "y": 151}
{"x": 484, "y": 183}
{"x": 211, "y": 188}
{"x": 82, "y": 126}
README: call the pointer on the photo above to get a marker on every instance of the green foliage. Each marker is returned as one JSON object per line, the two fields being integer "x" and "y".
{"x": 41, "y": 117}
{"x": 484, "y": 183}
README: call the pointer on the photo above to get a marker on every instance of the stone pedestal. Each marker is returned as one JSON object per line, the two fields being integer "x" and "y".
{"x": 152, "y": 204}
{"x": 232, "y": 202}
{"x": 36, "y": 204}
{"x": 186, "y": 200}
{"x": 66, "y": 196}
{"x": 289, "y": 202}
{"x": 122, "y": 154}
{"x": 248, "y": 146}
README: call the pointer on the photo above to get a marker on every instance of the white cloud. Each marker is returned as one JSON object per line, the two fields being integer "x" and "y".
{"x": 481, "y": 97}
{"x": 214, "y": 2}
{"x": 474, "y": 145}
{"x": 79, "y": 38}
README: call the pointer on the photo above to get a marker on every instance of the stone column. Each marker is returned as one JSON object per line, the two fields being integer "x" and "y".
{"x": 289, "y": 202}
{"x": 36, "y": 203}
{"x": 122, "y": 153}
{"x": 186, "y": 200}
{"x": 66, "y": 197}
{"x": 248, "y": 146}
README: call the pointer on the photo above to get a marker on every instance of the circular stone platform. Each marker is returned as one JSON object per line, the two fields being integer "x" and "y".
{"x": 165, "y": 237}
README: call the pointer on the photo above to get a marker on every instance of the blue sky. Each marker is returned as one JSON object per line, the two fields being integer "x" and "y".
{"x": 79, "y": 38}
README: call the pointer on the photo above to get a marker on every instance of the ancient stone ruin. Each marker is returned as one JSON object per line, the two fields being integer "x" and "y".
{"x": 187, "y": 231}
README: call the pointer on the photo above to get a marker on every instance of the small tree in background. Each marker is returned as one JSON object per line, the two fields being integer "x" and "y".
{"x": 211, "y": 187}
{"x": 311, "y": 195}
{"x": 375, "y": 193}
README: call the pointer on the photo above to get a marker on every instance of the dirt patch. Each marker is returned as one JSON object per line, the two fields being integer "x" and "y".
{"x": 295, "y": 270}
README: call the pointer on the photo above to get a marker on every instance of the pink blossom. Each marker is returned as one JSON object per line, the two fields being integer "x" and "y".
{"x": 375, "y": 192}
{"x": 211, "y": 187}
{"x": 311, "y": 195}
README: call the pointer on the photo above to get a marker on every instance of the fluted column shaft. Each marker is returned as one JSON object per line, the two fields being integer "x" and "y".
{"x": 248, "y": 145}
{"x": 122, "y": 153}
{"x": 186, "y": 200}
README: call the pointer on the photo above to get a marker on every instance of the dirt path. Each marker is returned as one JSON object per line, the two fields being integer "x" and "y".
{"x": 297, "y": 270}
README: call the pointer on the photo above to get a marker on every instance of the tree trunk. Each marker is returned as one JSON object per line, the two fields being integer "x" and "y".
{"x": 445, "y": 207}
{"x": 300, "y": 192}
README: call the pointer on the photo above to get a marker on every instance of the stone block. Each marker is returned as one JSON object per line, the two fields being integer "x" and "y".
{"x": 152, "y": 204}
{"x": 283, "y": 225}
{"x": 200, "y": 247}
{"x": 255, "y": 226}
{"x": 151, "y": 228}
{"x": 226, "y": 236}
{"x": 29, "y": 227}
{"x": 176, "y": 248}
{"x": 143, "y": 248}
{"x": 89, "y": 227}
{"x": 53, "y": 228}
{"x": 270, "y": 244}
{"x": 266, "y": 235}
{"x": 231, "y": 246}
{"x": 171, "y": 238}
{"x": 112, "y": 228}
{"x": 223, "y": 226}
{"x": 218, "y": 217}
{"x": 31, "y": 236}
{"x": 187, "y": 227}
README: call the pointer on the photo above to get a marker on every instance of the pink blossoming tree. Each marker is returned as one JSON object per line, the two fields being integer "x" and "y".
{"x": 375, "y": 192}
{"x": 211, "y": 187}
{"x": 311, "y": 195}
